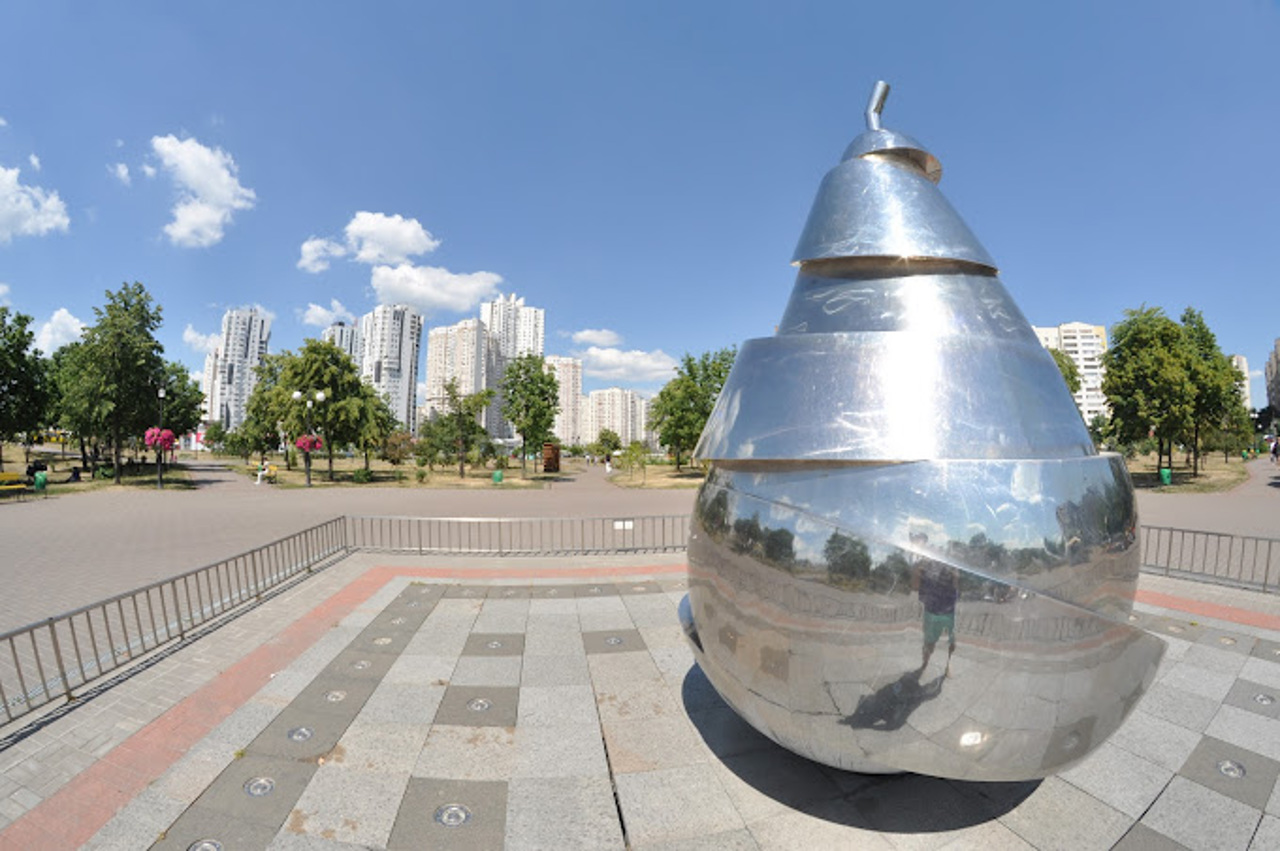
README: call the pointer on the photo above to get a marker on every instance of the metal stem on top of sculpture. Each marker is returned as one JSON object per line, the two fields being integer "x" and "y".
{"x": 908, "y": 555}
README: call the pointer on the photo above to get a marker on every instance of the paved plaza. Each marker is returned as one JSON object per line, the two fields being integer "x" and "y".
{"x": 405, "y": 702}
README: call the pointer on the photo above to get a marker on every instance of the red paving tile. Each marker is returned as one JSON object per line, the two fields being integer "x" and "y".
{"x": 1234, "y": 614}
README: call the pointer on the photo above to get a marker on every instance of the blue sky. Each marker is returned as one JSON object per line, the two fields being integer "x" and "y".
{"x": 639, "y": 170}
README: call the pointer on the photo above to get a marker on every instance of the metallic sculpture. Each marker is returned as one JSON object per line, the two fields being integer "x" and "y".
{"x": 908, "y": 555}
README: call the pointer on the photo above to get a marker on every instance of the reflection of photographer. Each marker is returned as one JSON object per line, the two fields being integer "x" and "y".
{"x": 938, "y": 586}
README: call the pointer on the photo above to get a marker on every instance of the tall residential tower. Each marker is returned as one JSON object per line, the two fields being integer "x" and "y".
{"x": 391, "y": 338}
{"x": 245, "y": 334}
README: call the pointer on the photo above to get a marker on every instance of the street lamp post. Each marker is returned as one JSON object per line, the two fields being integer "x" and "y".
{"x": 160, "y": 445}
{"x": 306, "y": 452}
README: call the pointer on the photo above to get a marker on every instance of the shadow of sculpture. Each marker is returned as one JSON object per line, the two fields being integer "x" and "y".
{"x": 891, "y": 803}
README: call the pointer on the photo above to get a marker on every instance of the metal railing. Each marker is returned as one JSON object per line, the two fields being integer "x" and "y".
{"x": 1241, "y": 560}
{"x": 49, "y": 660}
{"x": 524, "y": 536}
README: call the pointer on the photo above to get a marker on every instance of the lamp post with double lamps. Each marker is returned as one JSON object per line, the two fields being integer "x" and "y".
{"x": 306, "y": 452}
{"x": 160, "y": 444}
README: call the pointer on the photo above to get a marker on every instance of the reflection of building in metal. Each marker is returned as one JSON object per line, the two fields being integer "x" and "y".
{"x": 391, "y": 337}
{"x": 624, "y": 412}
{"x": 245, "y": 334}
{"x": 1084, "y": 344}
{"x": 1241, "y": 363}
{"x": 906, "y": 413}
{"x": 568, "y": 423}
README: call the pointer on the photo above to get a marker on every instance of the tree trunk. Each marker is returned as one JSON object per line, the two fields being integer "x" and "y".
{"x": 329, "y": 451}
{"x": 1195, "y": 450}
{"x": 84, "y": 452}
{"x": 115, "y": 455}
{"x": 524, "y": 452}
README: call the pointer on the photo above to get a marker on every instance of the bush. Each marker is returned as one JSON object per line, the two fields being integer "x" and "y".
{"x": 362, "y": 476}
{"x": 420, "y": 474}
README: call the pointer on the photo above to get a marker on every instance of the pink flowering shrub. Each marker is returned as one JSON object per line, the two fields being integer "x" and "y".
{"x": 309, "y": 443}
{"x": 160, "y": 438}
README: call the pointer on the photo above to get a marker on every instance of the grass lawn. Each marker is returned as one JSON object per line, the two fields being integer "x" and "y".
{"x": 1216, "y": 474}
{"x": 657, "y": 476}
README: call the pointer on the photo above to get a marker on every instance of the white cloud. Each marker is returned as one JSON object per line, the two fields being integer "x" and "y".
{"x": 597, "y": 337}
{"x": 28, "y": 210}
{"x": 3, "y": 123}
{"x": 270, "y": 315}
{"x": 149, "y": 170}
{"x": 4, "y": 295}
{"x": 376, "y": 238}
{"x": 35, "y": 161}
{"x": 120, "y": 172}
{"x": 119, "y": 143}
{"x": 209, "y": 190}
{"x": 430, "y": 288}
{"x": 634, "y": 366}
{"x": 323, "y": 317}
{"x": 1255, "y": 373}
{"x": 422, "y": 391}
{"x": 197, "y": 376}
{"x": 200, "y": 342}
{"x": 62, "y": 328}
{"x": 316, "y": 253}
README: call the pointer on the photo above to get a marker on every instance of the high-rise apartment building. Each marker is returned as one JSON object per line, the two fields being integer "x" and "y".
{"x": 568, "y": 373}
{"x": 459, "y": 352}
{"x": 245, "y": 335}
{"x": 624, "y": 412}
{"x": 347, "y": 338}
{"x": 514, "y": 330}
{"x": 1241, "y": 363}
{"x": 1084, "y": 344}
{"x": 391, "y": 339}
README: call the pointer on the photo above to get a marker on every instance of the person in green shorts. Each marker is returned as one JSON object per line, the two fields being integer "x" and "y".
{"x": 938, "y": 586}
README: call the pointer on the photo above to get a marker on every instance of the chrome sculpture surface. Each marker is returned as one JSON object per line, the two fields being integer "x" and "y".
{"x": 908, "y": 555}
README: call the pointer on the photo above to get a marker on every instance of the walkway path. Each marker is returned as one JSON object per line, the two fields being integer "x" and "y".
{"x": 64, "y": 552}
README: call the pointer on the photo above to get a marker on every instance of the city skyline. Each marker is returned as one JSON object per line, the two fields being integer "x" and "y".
{"x": 439, "y": 156}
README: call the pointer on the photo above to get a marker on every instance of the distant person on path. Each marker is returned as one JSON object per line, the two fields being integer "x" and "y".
{"x": 938, "y": 585}
{"x": 262, "y": 471}
{"x": 1275, "y": 450}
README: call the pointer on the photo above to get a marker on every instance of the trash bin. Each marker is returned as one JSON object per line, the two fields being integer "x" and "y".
{"x": 41, "y": 479}
{"x": 1166, "y": 476}
{"x": 497, "y": 477}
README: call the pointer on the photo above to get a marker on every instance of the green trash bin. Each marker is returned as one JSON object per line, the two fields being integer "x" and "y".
{"x": 40, "y": 479}
{"x": 497, "y": 477}
{"x": 1166, "y": 476}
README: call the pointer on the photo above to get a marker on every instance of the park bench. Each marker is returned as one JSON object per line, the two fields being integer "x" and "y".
{"x": 12, "y": 483}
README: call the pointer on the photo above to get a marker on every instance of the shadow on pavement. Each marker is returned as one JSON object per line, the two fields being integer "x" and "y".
{"x": 891, "y": 803}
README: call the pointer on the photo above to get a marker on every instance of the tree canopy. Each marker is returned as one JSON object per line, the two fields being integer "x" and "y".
{"x": 23, "y": 379}
{"x": 1169, "y": 381}
{"x": 530, "y": 400}
{"x": 459, "y": 427}
{"x": 1070, "y": 372}
{"x": 680, "y": 410}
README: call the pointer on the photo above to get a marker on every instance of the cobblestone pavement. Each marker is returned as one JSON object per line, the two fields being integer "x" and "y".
{"x": 395, "y": 702}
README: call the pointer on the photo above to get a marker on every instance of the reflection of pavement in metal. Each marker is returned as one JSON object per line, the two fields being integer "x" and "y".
{"x": 560, "y": 708}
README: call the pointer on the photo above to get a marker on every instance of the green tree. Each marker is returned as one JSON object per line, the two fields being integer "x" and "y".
{"x": 460, "y": 425}
{"x": 530, "y": 400}
{"x": 77, "y": 407}
{"x": 1148, "y": 380}
{"x": 398, "y": 447}
{"x": 609, "y": 441}
{"x": 319, "y": 367}
{"x": 680, "y": 410}
{"x": 1070, "y": 373}
{"x": 1216, "y": 382}
{"x": 636, "y": 455}
{"x": 182, "y": 399}
{"x": 215, "y": 436}
{"x": 378, "y": 427}
{"x": 847, "y": 557}
{"x": 23, "y": 379}
{"x": 124, "y": 367}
